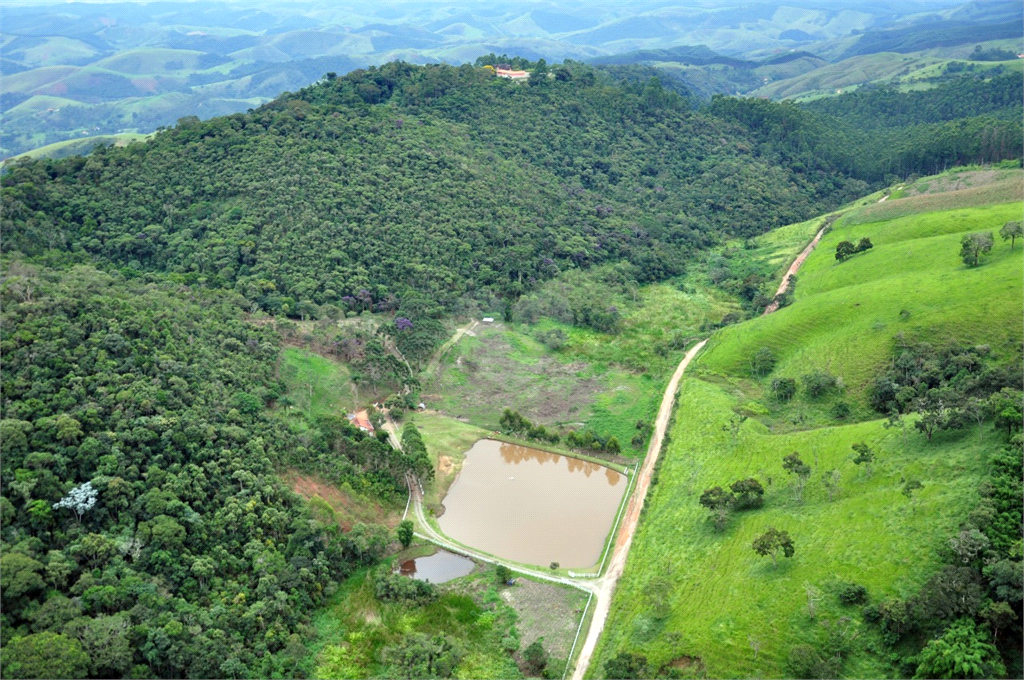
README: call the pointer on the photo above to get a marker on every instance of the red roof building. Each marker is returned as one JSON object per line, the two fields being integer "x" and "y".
{"x": 362, "y": 421}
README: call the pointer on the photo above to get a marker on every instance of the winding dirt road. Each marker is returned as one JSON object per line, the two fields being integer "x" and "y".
{"x": 795, "y": 267}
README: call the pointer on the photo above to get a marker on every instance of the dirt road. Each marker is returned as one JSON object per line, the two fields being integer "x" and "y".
{"x": 436, "y": 359}
{"x": 795, "y": 267}
{"x": 606, "y": 584}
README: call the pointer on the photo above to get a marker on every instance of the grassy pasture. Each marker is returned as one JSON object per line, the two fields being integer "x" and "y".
{"x": 912, "y": 281}
{"x": 447, "y": 441}
{"x": 1004, "y": 187}
{"x": 598, "y": 380}
{"x": 82, "y": 145}
{"x": 54, "y": 51}
{"x": 39, "y": 103}
{"x": 693, "y": 597}
{"x": 316, "y": 385}
{"x": 151, "y": 61}
{"x": 721, "y": 594}
{"x": 28, "y": 81}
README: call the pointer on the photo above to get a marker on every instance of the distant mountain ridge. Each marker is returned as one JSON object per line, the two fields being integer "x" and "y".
{"x": 249, "y": 56}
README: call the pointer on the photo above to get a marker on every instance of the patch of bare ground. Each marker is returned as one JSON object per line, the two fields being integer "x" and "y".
{"x": 955, "y": 181}
{"x": 544, "y": 390}
{"x": 546, "y": 611}
{"x": 350, "y": 508}
{"x": 690, "y": 665}
{"x": 1008, "y": 188}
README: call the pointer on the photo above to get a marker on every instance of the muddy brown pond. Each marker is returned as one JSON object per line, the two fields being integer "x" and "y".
{"x": 437, "y": 568}
{"x": 531, "y": 506}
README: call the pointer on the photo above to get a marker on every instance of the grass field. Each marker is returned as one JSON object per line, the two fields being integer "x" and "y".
{"x": 316, "y": 385}
{"x": 695, "y": 598}
{"x": 912, "y": 282}
{"x": 597, "y": 380}
{"x": 447, "y": 441}
{"x": 152, "y": 61}
{"x": 355, "y": 627}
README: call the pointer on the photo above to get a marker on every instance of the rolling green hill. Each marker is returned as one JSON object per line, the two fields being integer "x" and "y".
{"x": 700, "y": 600}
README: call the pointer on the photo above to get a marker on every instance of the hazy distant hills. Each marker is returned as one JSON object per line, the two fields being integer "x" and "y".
{"x": 76, "y": 70}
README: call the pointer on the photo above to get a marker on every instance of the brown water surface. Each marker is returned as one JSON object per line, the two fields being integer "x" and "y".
{"x": 531, "y": 506}
{"x": 437, "y": 568}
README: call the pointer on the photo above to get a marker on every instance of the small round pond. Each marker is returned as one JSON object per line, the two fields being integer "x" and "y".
{"x": 531, "y": 506}
{"x": 437, "y": 568}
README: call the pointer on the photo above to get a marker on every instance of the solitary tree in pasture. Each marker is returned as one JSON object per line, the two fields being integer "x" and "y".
{"x": 763, "y": 361}
{"x": 975, "y": 246}
{"x": 813, "y": 595}
{"x": 784, "y": 388}
{"x": 865, "y": 456}
{"x": 799, "y": 469}
{"x": 749, "y": 493}
{"x": 1012, "y": 230}
{"x": 718, "y": 501}
{"x": 1006, "y": 407}
{"x": 503, "y": 574}
{"x": 909, "y": 487}
{"x": 844, "y": 250}
{"x": 772, "y": 542}
{"x": 733, "y": 427}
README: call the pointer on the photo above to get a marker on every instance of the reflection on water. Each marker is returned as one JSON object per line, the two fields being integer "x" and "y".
{"x": 515, "y": 454}
{"x": 437, "y": 568}
{"x": 532, "y": 506}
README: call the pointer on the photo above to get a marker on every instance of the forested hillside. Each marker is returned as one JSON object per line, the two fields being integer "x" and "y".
{"x": 434, "y": 179}
{"x": 447, "y": 180}
{"x": 882, "y": 134}
{"x": 144, "y": 529}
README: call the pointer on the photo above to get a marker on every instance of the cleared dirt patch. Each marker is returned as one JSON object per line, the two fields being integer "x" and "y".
{"x": 1004, "y": 190}
{"x": 350, "y": 508}
{"x": 546, "y": 611}
{"x": 489, "y": 374}
{"x": 954, "y": 182}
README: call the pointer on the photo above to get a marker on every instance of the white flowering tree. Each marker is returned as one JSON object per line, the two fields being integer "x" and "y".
{"x": 81, "y": 499}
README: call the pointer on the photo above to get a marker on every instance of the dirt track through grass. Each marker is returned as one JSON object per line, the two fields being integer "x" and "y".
{"x": 606, "y": 585}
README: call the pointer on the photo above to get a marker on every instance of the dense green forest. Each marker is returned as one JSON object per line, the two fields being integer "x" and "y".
{"x": 145, "y": 531}
{"x": 438, "y": 179}
{"x": 881, "y": 134}
{"x": 144, "y": 528}
{"x": 448, "y": 181}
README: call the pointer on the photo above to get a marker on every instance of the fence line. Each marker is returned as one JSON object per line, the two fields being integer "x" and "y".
{"x": 576, "y": 639}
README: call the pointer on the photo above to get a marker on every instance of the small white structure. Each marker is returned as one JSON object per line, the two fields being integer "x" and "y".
{"x": 488, "y": 319}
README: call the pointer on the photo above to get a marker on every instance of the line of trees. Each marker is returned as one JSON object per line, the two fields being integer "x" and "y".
{"x": 512, "y": 422}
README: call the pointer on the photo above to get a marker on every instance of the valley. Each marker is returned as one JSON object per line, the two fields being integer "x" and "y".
{"x": 649, "y": 390}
